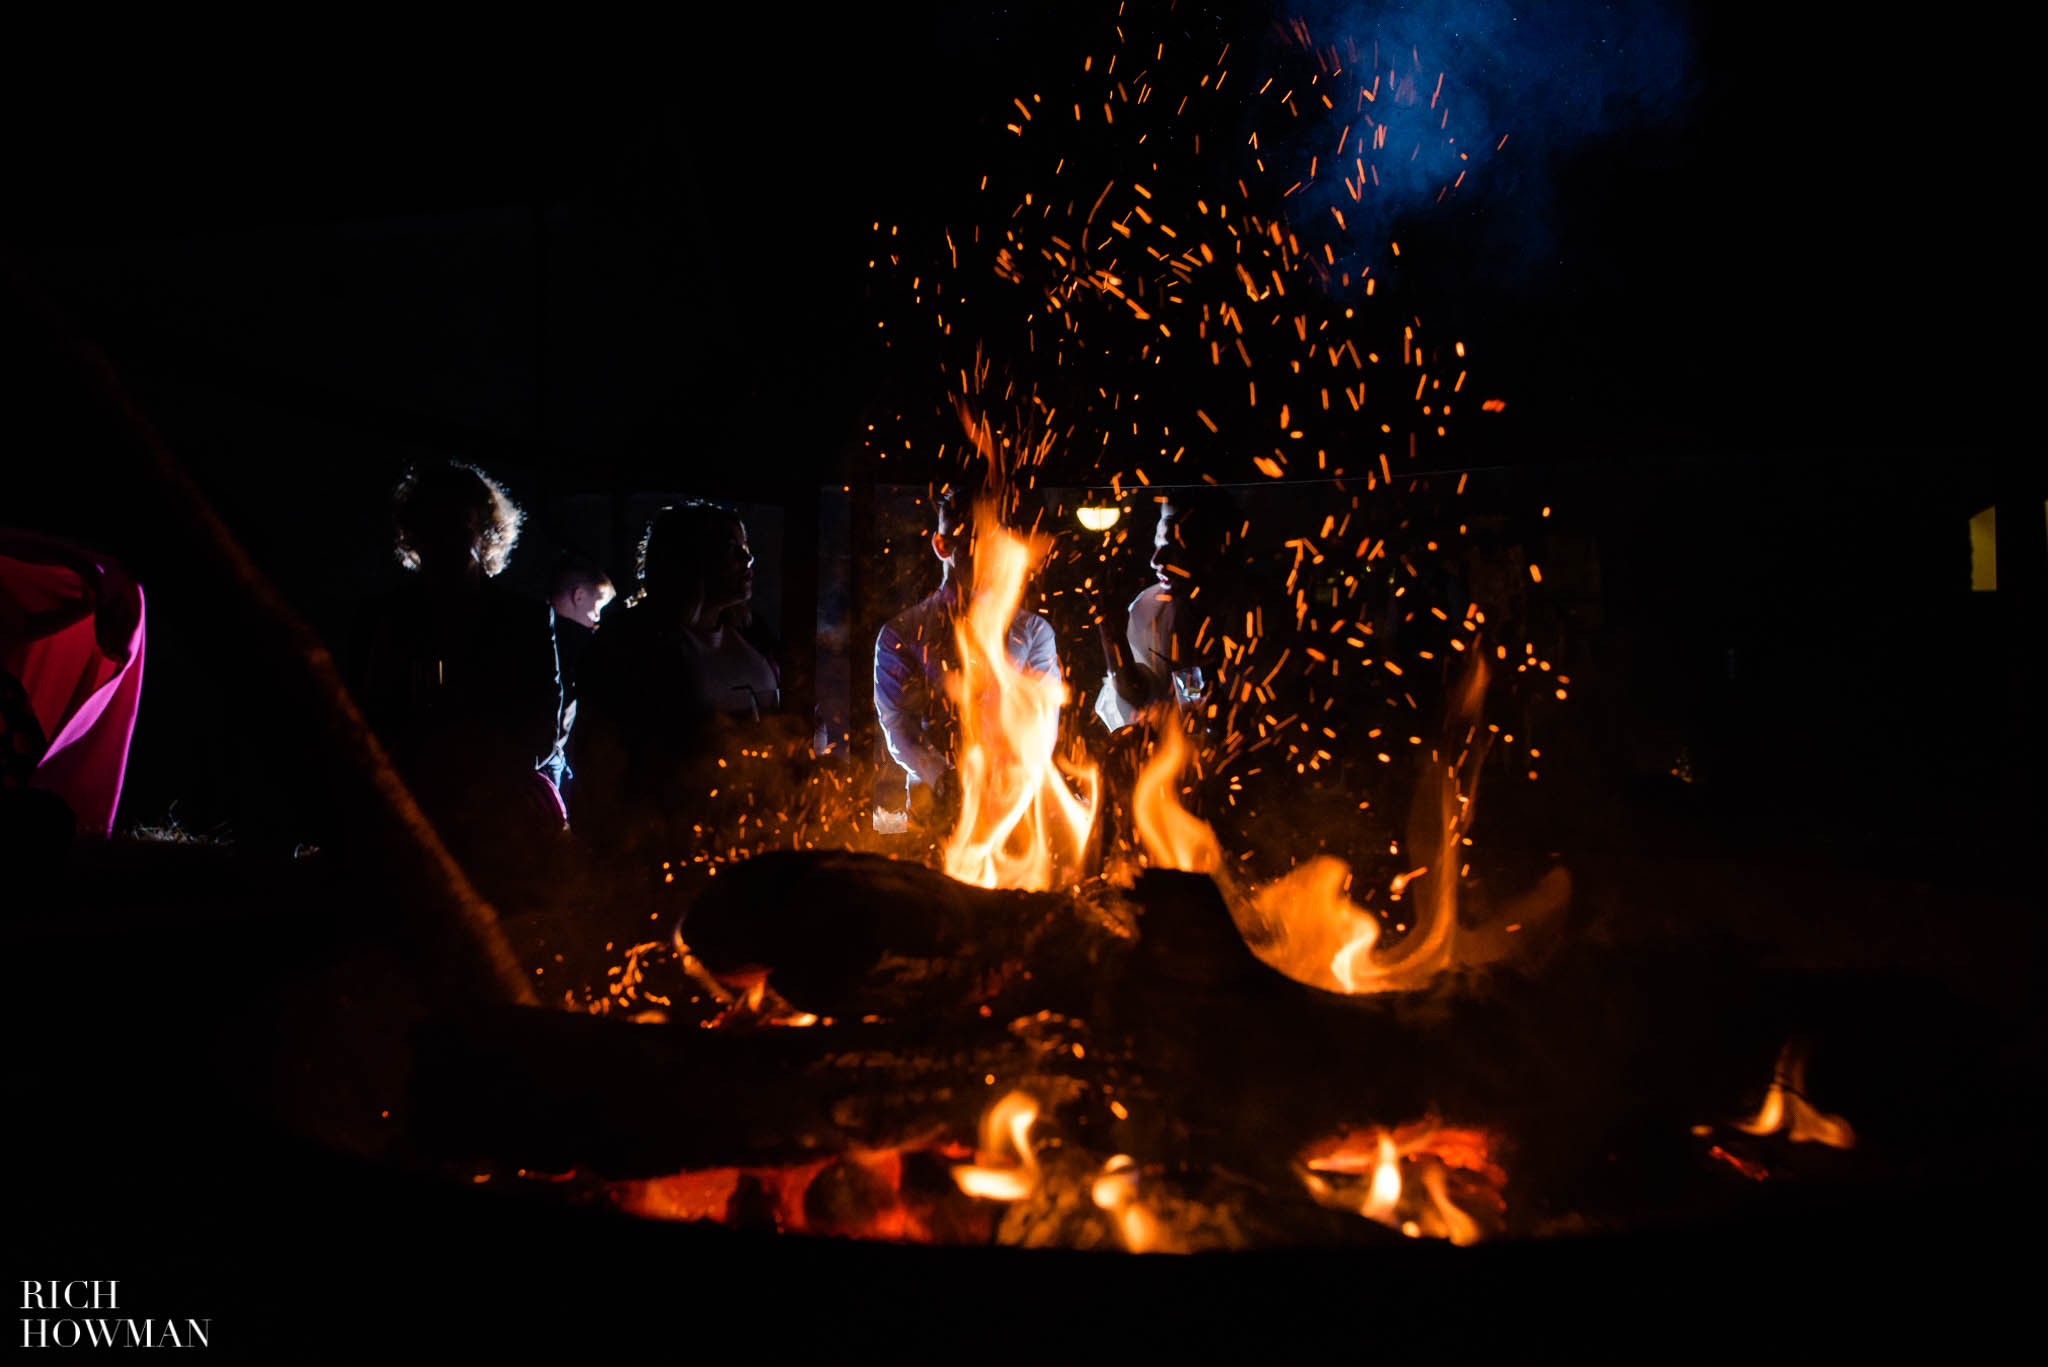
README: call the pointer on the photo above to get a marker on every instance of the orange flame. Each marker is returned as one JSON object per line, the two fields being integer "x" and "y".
{"x": 1116, "y": 1191}
{"x": 997, "y": 1175}
{"x": 1172, "y": 836}
{"x": 1427, "y": 1150}
{"x": 1460, "y": 1228}
{"x": 1304, "y": 924}
{"x": 1786, "y": 1108}
{"x": 1020, "y": 825}
{"x": 1440, "y": 815}
{"x": 1385, "y": 1192}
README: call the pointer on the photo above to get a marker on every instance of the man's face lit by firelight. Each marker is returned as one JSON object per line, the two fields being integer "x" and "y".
{"x": 1170, "y": 559}
{"x": 953, "y": 544}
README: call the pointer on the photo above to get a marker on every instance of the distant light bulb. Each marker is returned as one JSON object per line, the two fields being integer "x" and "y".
{"x": 1098, "y": 519}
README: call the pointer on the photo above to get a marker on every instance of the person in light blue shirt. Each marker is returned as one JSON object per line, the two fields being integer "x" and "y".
{"x": 916, "y": 649}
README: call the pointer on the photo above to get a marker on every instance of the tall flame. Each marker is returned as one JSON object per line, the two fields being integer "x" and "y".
{"x": 1385, "y": 1193}
{"x": 1172, "y": 836}
{"x": 1021, "y": 825}
{"x": 1304, "y": 924}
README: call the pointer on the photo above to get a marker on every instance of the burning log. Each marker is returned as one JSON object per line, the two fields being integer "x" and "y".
{"x": 1231, "y": 1061}
{"x": 554, "y": 1090}
{"x": 1241, "y": 1108}
{"x": 1165, "y": 978}
{"x": 853, "y": 935}
{"x": 899, "y": 1194}
{"x": 1164, "y": 1058}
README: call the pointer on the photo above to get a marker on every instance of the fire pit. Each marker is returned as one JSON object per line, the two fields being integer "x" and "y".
{"x": 1047, "y": 1071}
{"x": 1081, "y": 1016}
{"x": 1418, "y": 1080}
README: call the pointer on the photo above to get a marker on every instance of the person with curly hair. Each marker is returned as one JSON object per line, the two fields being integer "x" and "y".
{"x": 456, "y": 674}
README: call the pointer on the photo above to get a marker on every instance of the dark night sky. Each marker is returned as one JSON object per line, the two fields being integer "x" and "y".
{"x": 1816, "y": 252}
{"x": 1776, "y": 318}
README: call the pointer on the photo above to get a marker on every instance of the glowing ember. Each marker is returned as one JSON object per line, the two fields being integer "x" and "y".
{"x": 858, "y": 1194}
{"x": 1376, "y": 1172}
{"x": 1786, "y": 1108}
{"x": 1021, "y": 825}
{"x": 1005, "y": 1168}
{"x": 1755, "y": 1172}
{"x": 779, "y": 1192}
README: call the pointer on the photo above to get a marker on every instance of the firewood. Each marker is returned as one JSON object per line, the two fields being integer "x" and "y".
{"x": 851, "y": 935}
{"x": 555, "y": 1090}
{"x": 1174, "y": 1044}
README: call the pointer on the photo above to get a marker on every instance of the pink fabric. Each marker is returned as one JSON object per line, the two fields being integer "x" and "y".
{"x": 549, "y": 799}
{"x": 71, "y": 629}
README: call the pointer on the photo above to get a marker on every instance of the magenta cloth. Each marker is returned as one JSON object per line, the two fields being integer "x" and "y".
{"x": 71, "y": 630}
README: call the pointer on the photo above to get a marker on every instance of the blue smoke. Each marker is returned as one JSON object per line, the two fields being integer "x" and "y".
{"x": 1450, "y": 81}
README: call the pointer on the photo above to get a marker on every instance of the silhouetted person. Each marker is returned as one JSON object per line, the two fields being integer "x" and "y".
{"x": 1174, "y": 628}
{"x": 914, "y": 652}
{"x": 699, "y": 552}
{"x": 582, "y": 591}
{"x": 655, "y": 680}
{"x": 457, "y": 674}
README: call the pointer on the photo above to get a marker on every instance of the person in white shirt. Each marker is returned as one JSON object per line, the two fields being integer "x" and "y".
{"x": 916, "y": 649}
{"x": 1175, "y": 624}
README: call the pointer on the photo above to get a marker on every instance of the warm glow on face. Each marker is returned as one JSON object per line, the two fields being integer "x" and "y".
{"x": 1021, "y": 825}
{"x": 1098, "y": 519}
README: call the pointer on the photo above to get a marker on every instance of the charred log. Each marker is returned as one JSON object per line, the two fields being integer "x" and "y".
{"x": 555, "y": 1090}
{"x": 1192, "y": 1055}
{"x": 851, "y": 935}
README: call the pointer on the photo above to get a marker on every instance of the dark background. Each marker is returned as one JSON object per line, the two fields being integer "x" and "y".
{"x": 1766, "y": 364}
{"x": 1771, "y": 361}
